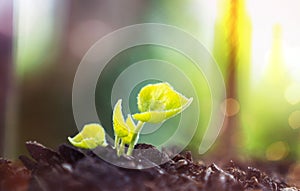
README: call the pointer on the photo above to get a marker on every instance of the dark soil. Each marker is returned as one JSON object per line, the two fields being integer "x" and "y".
{"x": 78, "y": 170}
{"x": 13, "y": 176}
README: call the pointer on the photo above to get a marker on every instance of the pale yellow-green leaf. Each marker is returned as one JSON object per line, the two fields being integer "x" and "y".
{"x": 90, "y": 137}
{"x": 158, "y": 102}
{"x": 131, "y": 125}
{"x": 132, "y": 128}
{"x": 120, "y": 126}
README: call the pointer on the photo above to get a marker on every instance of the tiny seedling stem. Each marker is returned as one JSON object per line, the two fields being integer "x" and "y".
{"x": 139, "y": 127}
{"x": 117, "y": 141}
{"x": 120, "y": 151}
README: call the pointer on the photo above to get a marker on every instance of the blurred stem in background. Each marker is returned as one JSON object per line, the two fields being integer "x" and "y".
{"x": 37, "y": 32}
{"x": 19, "y": 52}
{"x": 6, "y": 46}
{"x": 5, "y": 69}
{"x": 232, "y": 53}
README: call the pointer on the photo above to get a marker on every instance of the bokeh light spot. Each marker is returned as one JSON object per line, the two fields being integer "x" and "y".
{"x": 277, "y": 151}
{"x": 294, "y": 119}
{"x": 292, "y": 94}
{"x": 230, "y": 107}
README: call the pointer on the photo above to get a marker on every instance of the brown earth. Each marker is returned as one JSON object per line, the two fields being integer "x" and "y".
{"x": 74, "y": 169}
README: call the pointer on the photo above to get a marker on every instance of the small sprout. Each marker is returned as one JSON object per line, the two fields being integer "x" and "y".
{"x": 126, "y": 132}
{"x": 132, "y": 129}
{"x": 156, "y": 102}
{"x": 91, "y": 136}
{"x": 120, "y": 126}
{"x": 159, "y": 102}
{"x": 133, "y": 136}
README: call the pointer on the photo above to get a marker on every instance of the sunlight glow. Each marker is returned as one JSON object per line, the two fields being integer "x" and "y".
{"x": 264, "y": 15}
{"x": 292, "y": 60}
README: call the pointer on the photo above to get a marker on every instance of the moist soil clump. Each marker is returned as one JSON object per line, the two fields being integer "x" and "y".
{"x": 75, "y": 169}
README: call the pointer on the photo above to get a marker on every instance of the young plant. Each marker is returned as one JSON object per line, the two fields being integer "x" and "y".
{"x": 156, "y": 103}
{"x": 91, "y": 136}
{"x": 126, "y": 132}
{"x": 122, "y": 128}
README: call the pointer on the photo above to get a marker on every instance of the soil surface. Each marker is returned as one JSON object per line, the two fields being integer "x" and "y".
{"x": 74, "y": 169}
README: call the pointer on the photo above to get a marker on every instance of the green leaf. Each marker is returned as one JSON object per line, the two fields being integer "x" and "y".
{"x": 120, "y": 126}
{"x": 132, "y": 130}
{"x": 90, "y": 137}
{"x": 158, "y": 102}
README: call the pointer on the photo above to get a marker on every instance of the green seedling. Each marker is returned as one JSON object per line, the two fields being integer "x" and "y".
{"x": 124, "y": 130}
{"x": 156, "y": 103}
{"x": 120, "y": 125}
{"x": 90, "y": 137}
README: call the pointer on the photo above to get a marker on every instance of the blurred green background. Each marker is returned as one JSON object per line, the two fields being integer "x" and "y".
{"x": 256, "y": 45}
